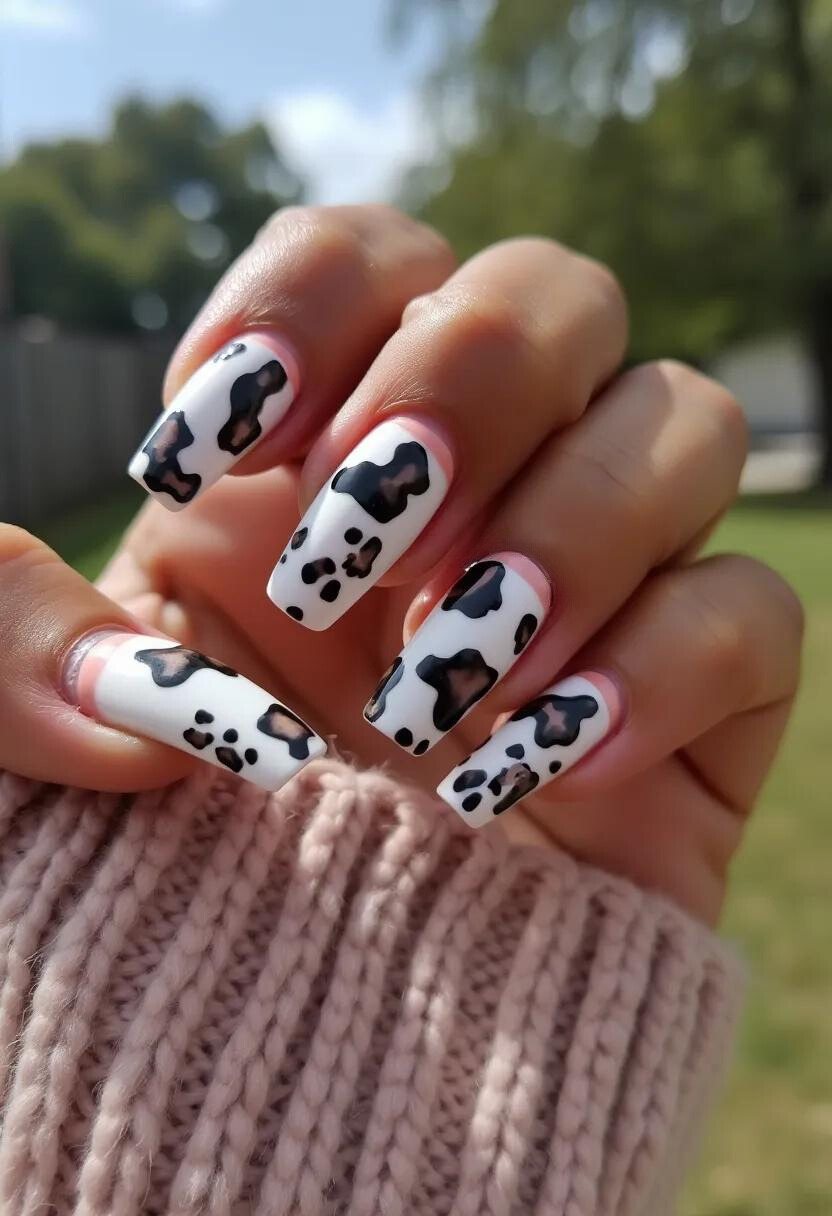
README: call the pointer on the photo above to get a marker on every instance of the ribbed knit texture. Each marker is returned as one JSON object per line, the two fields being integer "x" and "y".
{"x": 336, "y": 1000}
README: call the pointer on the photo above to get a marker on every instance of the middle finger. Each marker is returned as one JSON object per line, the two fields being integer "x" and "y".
{"x": 510, "y": 348}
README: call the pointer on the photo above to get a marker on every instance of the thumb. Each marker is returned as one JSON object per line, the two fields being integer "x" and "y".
{"x": 88, "y": 700}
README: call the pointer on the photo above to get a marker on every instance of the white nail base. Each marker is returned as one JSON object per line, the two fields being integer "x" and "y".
{"x": 157, "y": 688}
{"x": 363, "y": 519}
{"x": 470, "y": 640}
{"x": 543, "y": 739}
{"x": 221, "y": 413}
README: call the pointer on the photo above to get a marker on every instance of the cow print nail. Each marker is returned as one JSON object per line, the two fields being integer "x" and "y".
{"x": 246, "y": 399}
{"x": 361, "y": 521}
{"x": 478, "y": 591}
{"x": 173, "y": 665}
{"x": 569, "y": 719}
{"x": 383, "y": 490}
{"x": 360, "y": 564}
{"x": 524, "y": 632}
{"x": 225, "y": 408}
{"x": 467, "y": 644}
{"x": 182, "y": 697}
{"x": 557, "y": 720}
{"x": 278, "y": 722}
{"x": 459, "y": 682}
{"x": 163, "y": 473}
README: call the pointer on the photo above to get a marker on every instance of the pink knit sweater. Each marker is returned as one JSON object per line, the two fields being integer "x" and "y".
{"x": 336, "y": 1000}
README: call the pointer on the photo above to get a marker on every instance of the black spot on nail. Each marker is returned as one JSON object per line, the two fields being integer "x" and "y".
{"x": 471, "y": 802}
{"x": 331, "y": 590}
{"x": 173, "y": 665}
{"x": 295, "y": 613}
{"x": 421, "y": 747}
{"x": 471, "y": 778}
{"x": 353, "y": 535}
{"x": 360, "y": 564}
{"x": 164, "y": 473}
{"x": 231, "y": 736}
{"x": 477, "y": 591}
{"x": 404, "y": 737}
{"x": 299, "y": 537}
{"x": 312, "y": 571}
{"x": 524, "y": 632}
{"x": 283, "y": 559}
{"x": 512, "y": 784}
{"x": 197, "y": 738}
{"x": 230, "y": 758}
{"x": 384, "y": 490}
{"x": 555, "y": 766}
{"x": 557, "y": 719}
{"x": 279, "y": 722}
{"x": 202, "y": 715}
{"x": 460, "y": 680}
{"x": 250, "y": 755}
{"x": 517, "y": 751}
{"x": 246, "y": 399}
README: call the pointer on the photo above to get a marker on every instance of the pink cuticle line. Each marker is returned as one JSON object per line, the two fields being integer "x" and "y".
{"x": 432, "y": 436}
{"x": 611, "y": 690}
{"x": 531, "y": 573}
{"x": 86, "y": 658}
{"x": 84, "y": 662}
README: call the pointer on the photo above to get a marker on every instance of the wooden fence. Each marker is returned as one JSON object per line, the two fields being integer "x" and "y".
{"x": 73, "y": 408}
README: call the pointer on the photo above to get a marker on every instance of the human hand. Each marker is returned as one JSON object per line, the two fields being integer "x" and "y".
{"x": 508, "y": 436}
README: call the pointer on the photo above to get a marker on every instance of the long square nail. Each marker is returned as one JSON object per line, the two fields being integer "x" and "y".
{"x": 362, "y": 520}
{"x": 221, "y": 413}
{"x": 157, "y": 688}
{"x": 470, "y": 640}
{"x": 542, "y": 740}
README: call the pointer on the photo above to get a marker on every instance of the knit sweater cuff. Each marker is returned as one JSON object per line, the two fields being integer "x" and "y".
{"x": 337, "y": 999}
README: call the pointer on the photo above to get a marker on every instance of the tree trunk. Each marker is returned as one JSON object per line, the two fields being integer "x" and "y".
{"x": 806, "y": 191}
{"x": 820, "y": 348}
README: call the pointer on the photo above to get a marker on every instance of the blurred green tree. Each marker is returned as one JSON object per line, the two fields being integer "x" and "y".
{"x": 133, "y": 229}
{"x": 684, "y": 142}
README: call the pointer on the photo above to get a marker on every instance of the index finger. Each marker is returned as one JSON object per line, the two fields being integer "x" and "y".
{"x": 287, "y": 333}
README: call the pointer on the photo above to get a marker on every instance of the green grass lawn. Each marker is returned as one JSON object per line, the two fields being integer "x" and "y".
{"x": 769, "y": 1148}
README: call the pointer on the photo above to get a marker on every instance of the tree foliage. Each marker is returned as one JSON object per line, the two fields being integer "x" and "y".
{"x": 152, "y": 213}
{"x": 684, "y": 142}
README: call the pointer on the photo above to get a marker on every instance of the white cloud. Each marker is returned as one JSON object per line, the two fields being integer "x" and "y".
{"x": 348, "y": 154}
{"x": 44, "y": 16}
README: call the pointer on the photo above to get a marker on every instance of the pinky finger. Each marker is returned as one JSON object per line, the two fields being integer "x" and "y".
{"x": 698, "y": 648}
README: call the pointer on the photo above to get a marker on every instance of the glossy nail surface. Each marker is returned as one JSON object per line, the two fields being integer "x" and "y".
{"x": 226, "y": 407}
{"x": 157, "y": 688}
{"x": 544, "y": 738}
{"x": 362, "y": 520}
{"x": 466, "y": 645}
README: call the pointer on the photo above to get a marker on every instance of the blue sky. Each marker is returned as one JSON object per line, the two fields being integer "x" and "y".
{"x": 341, "y": 98}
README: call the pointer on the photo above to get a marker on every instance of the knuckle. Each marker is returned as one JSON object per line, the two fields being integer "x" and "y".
{"x": 777, "y": 596}
{"x": 605, "y": 283}
{"x": 754, "y": 631}
{"x": 729, "y": 421}
{"x": 463, "y": 324}
{"x": 316, "y": 239}
{"x": 693, "y": 388}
